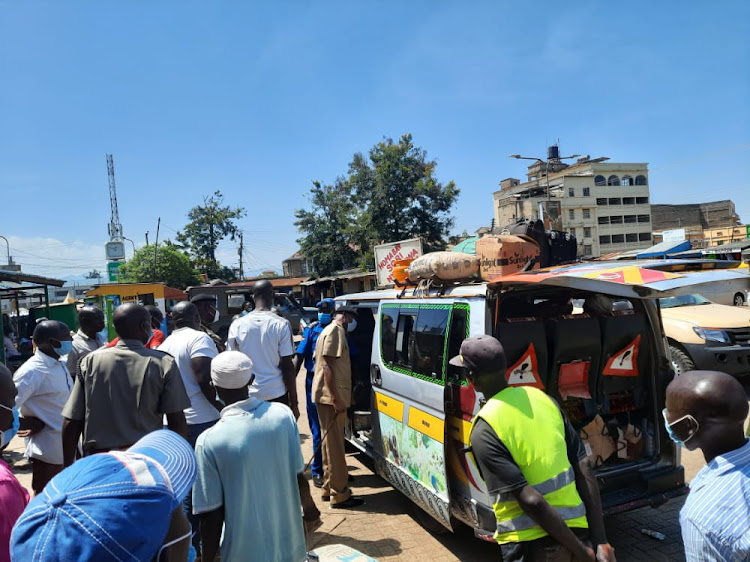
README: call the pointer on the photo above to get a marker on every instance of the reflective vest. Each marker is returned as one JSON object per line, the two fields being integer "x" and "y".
{"x": 530, "y": 425}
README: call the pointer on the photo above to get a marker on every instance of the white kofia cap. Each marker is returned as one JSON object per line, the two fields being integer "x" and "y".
{"x": 231, "y": 369}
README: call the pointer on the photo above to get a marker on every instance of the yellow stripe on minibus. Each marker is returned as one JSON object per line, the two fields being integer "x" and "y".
{"x": 459, "y": 430}
{"x": 390, "y": 406}
{"x": 426, "y": 423}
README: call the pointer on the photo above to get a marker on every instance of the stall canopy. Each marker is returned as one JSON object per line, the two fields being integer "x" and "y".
{"x": 730, "y": 248}
{"x": 661, "y": 250}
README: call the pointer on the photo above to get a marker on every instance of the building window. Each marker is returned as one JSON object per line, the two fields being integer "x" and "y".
{"x": 603, "y": 220}
{"x": 587, "y": 249}
{"x": 644, "y": 218}
{"x": 587, "y": 232}
{"x": 618, "y": 238}
{"x": 571, "y": 214}
{"x": 641, "y": 200}
{"x": 627, "y": 180}
{"x": 613, "y": 180}
{"x": 587, "y": 213}
{"x": 604, "y": 239}
{"x": 573, "y": 232}
{"x": 600, "y": 180}
{"x": 640, "y": 180}
{"x": 644, "y": 236}
{"x": 628, "y": 200}
{"x": 615, "y": 201}
{"x": 630, "y": 219}
{"x": 601, "y": 201}
{"x": 631, "y": 237}
{"x": 616, "y": 219}
{"x": 587, "y": 192}
{"x": 571, "y": 192}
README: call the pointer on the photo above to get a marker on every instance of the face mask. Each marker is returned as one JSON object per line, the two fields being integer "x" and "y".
{"x": 671, "y": 432}
{"x": 352, "y": 325}
{"x": 216, "y": 315}
{"x": 65, "y": 348}
{"x": 324, "y": 318}
{"x": 9, "y": 433}
{"x": 102, "y": 336}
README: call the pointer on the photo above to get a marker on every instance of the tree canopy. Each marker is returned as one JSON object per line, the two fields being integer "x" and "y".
{"x": 172, "y": 267}
{"x": 209, "y": 224}
{"x": 390, "y": 194}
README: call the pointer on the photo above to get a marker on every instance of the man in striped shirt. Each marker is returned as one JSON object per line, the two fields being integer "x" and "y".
{"x": 706, "y": 410}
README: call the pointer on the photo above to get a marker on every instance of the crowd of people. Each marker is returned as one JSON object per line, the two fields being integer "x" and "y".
{"x": 186, "y": 448}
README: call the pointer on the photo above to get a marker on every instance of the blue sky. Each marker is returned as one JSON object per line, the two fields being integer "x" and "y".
{"x": 260, "y": 99}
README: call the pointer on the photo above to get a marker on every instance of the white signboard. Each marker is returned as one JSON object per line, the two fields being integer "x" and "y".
{"x": 386, "y": 254}
{"x": 674, "y": 236}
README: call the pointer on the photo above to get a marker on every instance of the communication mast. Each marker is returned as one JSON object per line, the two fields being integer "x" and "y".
{"x": 115, "y": 248}
{"x": 115, "y": 228}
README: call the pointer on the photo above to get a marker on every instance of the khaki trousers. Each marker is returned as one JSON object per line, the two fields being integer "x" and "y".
{"x": 335, "y": 471}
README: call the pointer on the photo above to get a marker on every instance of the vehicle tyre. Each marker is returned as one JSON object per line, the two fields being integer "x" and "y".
{"x": 681, "y": 361}
{"x": 739, "y": 299}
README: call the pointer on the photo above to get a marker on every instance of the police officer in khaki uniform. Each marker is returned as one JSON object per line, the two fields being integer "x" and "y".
{"x": 332, "y": 394}
{"x": 123, "y": 392}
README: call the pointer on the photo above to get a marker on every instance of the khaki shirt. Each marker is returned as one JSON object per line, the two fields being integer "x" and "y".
{"x": 332, "y": 344}
{"x": 123, "y": 392}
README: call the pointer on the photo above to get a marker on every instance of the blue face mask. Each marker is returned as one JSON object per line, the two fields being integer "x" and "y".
{"x": 65, "y": 348}
{"x": 324, "y": 318}
{"x": 9, "y": 433}
{"x": 671, "y": 433}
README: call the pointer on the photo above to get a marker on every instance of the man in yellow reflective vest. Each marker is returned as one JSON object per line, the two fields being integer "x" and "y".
{"x": 544, "y": 495}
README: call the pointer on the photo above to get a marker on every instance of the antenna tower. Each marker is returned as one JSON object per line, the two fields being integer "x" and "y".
{"x": 115, "y": 228}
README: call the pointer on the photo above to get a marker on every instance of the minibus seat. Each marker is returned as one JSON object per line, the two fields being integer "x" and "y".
{"x": 525, "y": 344}
{"x": 625, "y": 361}
{"x": 574, "y": 353}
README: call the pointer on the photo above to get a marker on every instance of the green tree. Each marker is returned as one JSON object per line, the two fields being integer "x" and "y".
{"x": 390, "y": 194}
{"x": 328, "y": 227}
{"x": 172, "y": 267}
{"x": 208, "y": 225}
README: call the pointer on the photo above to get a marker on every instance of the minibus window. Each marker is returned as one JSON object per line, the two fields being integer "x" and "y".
{"x": 404, "y": 337}
{"x": 388, "y": 334}
{"x": 427, "y": 347}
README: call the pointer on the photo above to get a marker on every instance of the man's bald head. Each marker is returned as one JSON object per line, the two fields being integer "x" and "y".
{"x": 707, "y": 410}
{"x": 185, "y": 314}
{"x": 91, "y": 320}
{"x": 707, "y": 394}
{"x": 263, "y": 294}
{"x": 131, "y": 321}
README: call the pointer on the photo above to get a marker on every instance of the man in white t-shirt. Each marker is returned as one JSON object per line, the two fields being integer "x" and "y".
{"x": 266, "y": 338}
{"x": 193, "y": 350}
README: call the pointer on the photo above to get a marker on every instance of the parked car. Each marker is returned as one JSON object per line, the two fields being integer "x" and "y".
{"x": 706, "y": 335}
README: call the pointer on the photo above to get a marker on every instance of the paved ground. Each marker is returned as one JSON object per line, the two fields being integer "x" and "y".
{"x": 389, "y": 527}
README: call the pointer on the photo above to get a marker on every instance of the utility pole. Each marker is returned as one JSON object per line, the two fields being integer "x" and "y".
{"x": 147, "y": 238}
{"x": 240, "y": 252}
{"x": 156, "y": 244}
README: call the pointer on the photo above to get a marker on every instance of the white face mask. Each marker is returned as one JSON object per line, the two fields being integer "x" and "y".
{"x": 216, "y": 315}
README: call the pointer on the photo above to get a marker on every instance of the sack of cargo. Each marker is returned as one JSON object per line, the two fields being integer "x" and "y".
{"x": 505, "y": 254}
{"x": 447, "y": 266}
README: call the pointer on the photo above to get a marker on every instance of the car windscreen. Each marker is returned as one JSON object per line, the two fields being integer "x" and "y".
{"x": 683, "y": 300}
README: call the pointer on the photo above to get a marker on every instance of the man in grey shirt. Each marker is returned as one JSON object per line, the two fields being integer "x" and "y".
{"x": 122, "y": 393}
{"x": 90, "y": 322}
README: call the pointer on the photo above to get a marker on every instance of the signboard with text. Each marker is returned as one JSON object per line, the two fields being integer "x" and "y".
{"x": 112, "y": 270}
{"x": 387, "y": 254}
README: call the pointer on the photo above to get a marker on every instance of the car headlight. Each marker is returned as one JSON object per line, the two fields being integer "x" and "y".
{"x": 709, "y": 334}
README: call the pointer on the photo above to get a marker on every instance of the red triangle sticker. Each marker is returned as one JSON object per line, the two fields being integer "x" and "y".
{"x": 624, "y": 363}
{"x": 525, "y": 371}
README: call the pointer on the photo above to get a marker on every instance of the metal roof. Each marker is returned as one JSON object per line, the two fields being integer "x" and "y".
{"x": 729, "y": 248}
{"x": 18, "y": 277}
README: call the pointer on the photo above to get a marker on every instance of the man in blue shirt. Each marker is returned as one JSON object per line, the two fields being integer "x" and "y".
{"x": 304, "y": 352}
{"x": 706, "y": 410}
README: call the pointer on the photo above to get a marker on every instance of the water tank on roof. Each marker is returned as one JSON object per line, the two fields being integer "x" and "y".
{"x": 553, "y": 152}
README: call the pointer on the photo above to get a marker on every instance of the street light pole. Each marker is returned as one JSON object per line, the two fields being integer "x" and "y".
{"x": 546, "y": 172}
{"x": 7, "y": 245}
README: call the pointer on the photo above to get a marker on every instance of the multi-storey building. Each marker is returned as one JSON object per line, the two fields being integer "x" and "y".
{"x": 604, "y": 204}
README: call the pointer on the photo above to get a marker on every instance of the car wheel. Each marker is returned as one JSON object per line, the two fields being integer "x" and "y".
{"x": 681, "y": 361}
{"x": 739, "y": 299}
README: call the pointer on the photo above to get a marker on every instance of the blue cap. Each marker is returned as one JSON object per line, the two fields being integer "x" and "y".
{"x": 110, "y": 506}
{"x": 327, "y": 303}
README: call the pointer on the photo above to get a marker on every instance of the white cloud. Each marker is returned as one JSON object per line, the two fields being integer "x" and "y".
{"x": 54, "y": 258}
